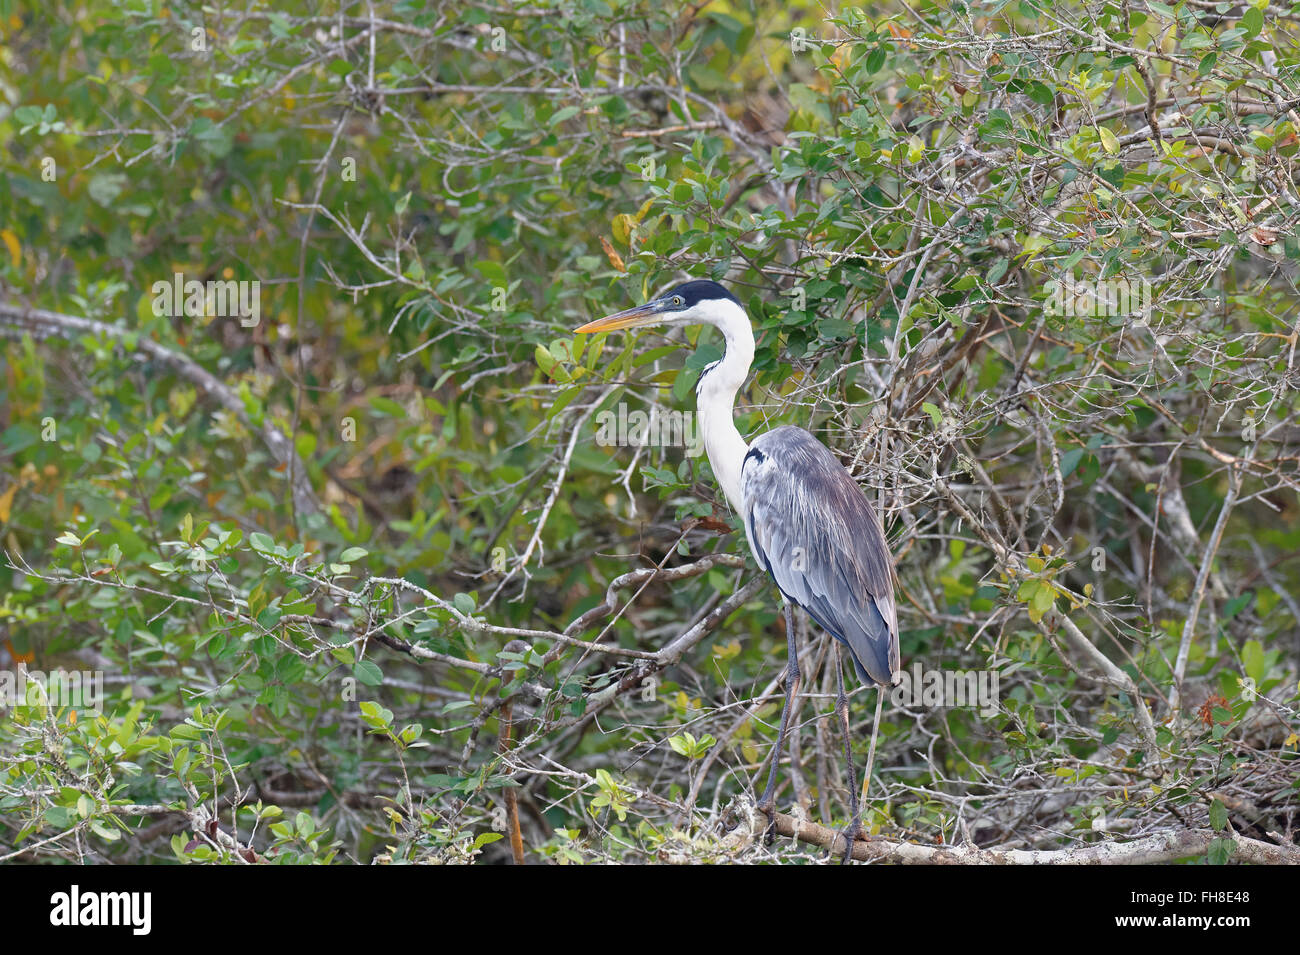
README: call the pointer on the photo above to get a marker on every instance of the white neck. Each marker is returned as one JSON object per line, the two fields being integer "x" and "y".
{"x": 716, "y": 396}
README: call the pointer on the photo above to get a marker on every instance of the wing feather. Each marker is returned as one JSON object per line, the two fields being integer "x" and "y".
{"x": 811, "y": 527}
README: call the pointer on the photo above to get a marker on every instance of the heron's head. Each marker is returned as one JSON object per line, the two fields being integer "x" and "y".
{"x": 699, "y": 302}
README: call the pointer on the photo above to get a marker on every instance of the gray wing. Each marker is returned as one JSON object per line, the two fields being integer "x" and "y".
{"x": 811, "y": 527}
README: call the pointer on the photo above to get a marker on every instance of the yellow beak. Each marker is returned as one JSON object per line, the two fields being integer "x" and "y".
{"x": 647, "y": 314}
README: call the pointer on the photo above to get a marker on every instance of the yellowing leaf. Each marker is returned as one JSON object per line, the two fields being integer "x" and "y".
{"x": 1108, "y": 140}
{"x": 11, "y": 243}
{"x": 622, "y": 227}
{"x": 727, "y": 651}
{"x": 6, "y": 502}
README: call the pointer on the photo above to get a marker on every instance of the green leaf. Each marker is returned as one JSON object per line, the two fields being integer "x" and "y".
{"x": 545, "y": 360}
{"x": 367, "y": 673}
{"x": 560, "y": 115}
{"x": 1218, "y": 815}
{"x": 1220, "y": 852}
{"x": 1253, "y": 661}
{"x": 28, "y": 115}
{"x": 1070, "y": 460}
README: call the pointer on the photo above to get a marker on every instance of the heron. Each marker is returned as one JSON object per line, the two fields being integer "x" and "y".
{"x": 808, "y": 522}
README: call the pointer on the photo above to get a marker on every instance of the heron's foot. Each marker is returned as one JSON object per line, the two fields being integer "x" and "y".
{"x": 768, "y": 808}
{"x": 850, "y": 836}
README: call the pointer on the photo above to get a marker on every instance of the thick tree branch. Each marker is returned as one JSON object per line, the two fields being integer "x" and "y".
{"x": 1149, "y": 850}
{"x": 43, "y": 324}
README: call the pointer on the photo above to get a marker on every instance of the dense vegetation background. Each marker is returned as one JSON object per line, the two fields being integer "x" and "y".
{"x": 321, "y": 556}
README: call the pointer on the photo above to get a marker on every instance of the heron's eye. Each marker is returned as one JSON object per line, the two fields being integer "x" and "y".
{"x": 678, "y": 300}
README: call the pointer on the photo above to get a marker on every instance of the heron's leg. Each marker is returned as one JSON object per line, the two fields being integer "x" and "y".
{"x": 799, "y": 795}
{"x": 856, "y": 824}
{"x": 767, "y": 803}
{"x": 842, "y": 711}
